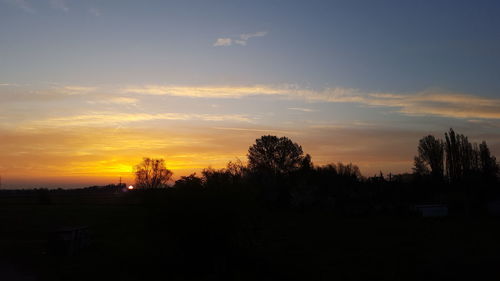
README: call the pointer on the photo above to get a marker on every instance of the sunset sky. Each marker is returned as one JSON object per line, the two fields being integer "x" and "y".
{"x": 88, "y": 88}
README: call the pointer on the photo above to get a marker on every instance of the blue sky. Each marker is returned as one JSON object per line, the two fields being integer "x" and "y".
{"x": 356, "y": 81}
{"x": 369, "y": 45}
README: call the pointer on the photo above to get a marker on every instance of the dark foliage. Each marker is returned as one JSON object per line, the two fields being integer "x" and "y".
{"x": 271, "y": 154}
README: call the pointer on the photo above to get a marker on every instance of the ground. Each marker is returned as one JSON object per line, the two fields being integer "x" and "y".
{"x": 131, "y": 240}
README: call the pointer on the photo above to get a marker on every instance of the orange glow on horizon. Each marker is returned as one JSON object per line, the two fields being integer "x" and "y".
{"x": 98, "y": 156}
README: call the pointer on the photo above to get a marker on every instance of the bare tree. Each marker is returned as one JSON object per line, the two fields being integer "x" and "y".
{"x": 152, "y": 173}
{"x": 348, "y": 170}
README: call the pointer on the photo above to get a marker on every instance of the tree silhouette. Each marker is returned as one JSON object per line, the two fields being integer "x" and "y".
{"x": 431, "y": 154}
{"x": 464, "y": 159}
{"x": 420, "y": 168}
{"x": 489, "y": 166}
{"x": 452, "y": 155}
{"x": 191, "y": 182}
{"x": 152, "y": 173}
{"x": 223, "y": 178}
{"x": 276, "y": 155}
{"x": 349, "y": 171}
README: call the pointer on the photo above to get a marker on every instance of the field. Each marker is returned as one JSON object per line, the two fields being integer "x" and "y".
{"x": 139, "y": 236}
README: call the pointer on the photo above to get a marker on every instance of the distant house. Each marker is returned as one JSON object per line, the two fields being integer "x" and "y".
{"x": 432, "y": 210}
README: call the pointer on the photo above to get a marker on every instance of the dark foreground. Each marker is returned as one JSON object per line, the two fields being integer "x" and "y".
{"x": 138, "y": 236}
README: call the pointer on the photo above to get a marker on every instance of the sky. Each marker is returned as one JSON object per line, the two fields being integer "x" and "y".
{"x": 89, "y": 88}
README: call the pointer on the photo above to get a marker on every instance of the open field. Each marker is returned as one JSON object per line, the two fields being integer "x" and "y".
{"x": 134, "y": 237}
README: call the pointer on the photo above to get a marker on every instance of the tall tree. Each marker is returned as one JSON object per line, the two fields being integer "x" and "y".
{"x": 431, "y": 152}
{"x": 152, "y": 173}
{"x": 488, "y": 163}
{"x": 276, "y": 155}
{"x": 452, "y": 148}
{"x": 464, "y": 158}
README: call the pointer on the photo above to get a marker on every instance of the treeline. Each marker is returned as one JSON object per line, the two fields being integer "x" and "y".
{"x": 455, "y": 159}
{"x": 453, "y": 171}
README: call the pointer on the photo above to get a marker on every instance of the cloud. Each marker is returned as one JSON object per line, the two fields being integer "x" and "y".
{"x": 425, "y": 103}
{"x": 75, "y": 90}
{"x": 256, "y": 130}
{"x": 13, "y": 93}
{"x": 123, "y": 100}
{"x": 247, "y": 36}
{"x": 206, "y": 91}
{"x": 110, "y": 119}
{"x": 241, "y": 40}
{"x": 115, "y": 100}
{"x": 438, "y": 104}
{"x": 59, "y": 5}
{"x": 223, "y": 42}
{"x": 302, "y": 109}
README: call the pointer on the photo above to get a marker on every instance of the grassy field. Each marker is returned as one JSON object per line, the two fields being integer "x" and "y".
{"x": 162, "y": 238}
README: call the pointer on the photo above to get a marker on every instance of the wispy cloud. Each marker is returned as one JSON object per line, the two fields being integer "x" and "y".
{"x": 215, "y": 91}
{"x": 437, "y": 104}
{"x": 433, "y": 103}
{"x": 206, "y": 91}
{"x": 240, "y": 40}
{"x": 123, "y": 100}
{"x": 425, "y": 103}
{"x": 247, "y": 36}
{"x": 75, "y": 90}
{"x": 303, "y": 109}
{"x": 268, "y": 131}
{"x": 223, "y": 42}
{"x": 59, "y": 5}
{"x": 108, "y": 119}
{"x": 115, "y": 100}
